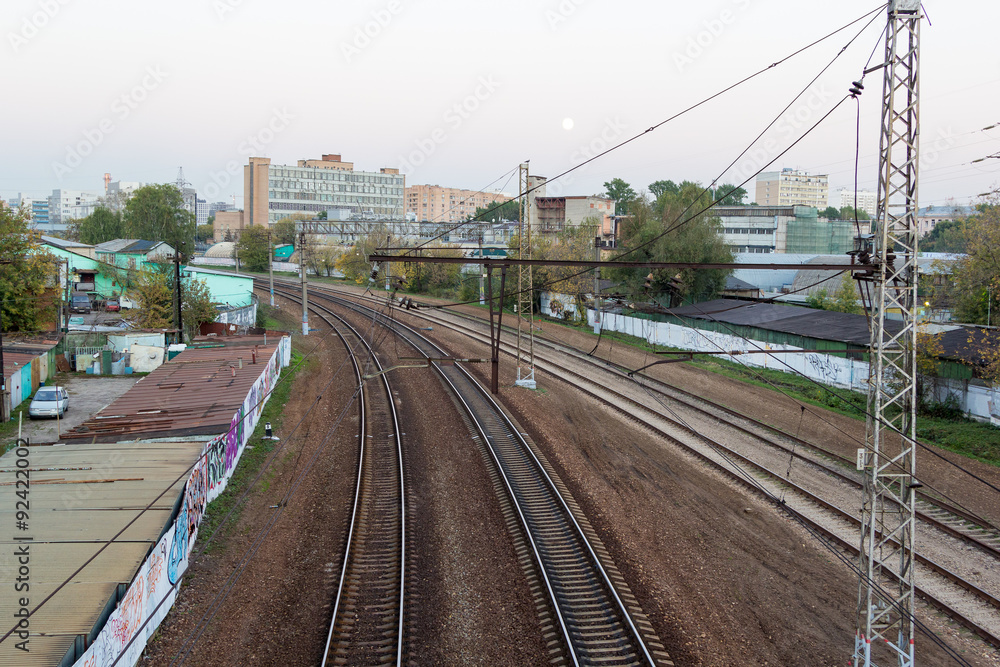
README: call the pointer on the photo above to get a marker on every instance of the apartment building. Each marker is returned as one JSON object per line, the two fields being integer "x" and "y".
{"x": 272, "y": 192}
{"x": 867, "y": 200}
{"x": 790, "y": 187}
{"x": 439, "y": 204}
{"x": 929, "y": 216}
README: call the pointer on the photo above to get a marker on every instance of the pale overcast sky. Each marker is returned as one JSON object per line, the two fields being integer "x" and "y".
{"x": 457, "y": 93}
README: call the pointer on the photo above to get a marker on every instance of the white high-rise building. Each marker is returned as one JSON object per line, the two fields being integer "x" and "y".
{"x": 66, "y": 205}
{"x": 866, "y": 200}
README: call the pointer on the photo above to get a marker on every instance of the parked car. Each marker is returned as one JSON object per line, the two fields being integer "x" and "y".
{"x": 79, "y": 303}
{"x": 125, "y": 302}
{"x": 49, "y": 402}
{"x": 112, "y": 306}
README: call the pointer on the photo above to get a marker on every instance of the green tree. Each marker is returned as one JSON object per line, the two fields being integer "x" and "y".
{"x": 156, "y": 213}
{"x": 253, "y": 249}
{"x": 354, "y": 263}
{"x": 847, "y": 213}
{"x": 283, "y": 231}
{"x": 509, "y": 210}
{"x": 154, "y": 298}
{"x": 976, "y": 276}
{"x": 659, "y": 188}
{"x": 732, "y": 195}
{"x": 622, "y": 193}
{"x": 100, "y": 226}
{"x": 830, "y": 213}
{"x": 206, "y": 231}
{"x": 28, "y": 274}
{"x": 947, "y": 236}
{"x": 157, "y": 301}
{"x": 656, "y": 237}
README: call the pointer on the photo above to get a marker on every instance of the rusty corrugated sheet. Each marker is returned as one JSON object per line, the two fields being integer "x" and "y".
{"x": 196, "y": 393}
{"x": 81, "y": 496}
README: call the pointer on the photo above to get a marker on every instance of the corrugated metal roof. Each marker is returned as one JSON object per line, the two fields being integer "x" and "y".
{"x": 819, "y": 324}
{"x": 196, "y": 393}
{"x": 71, "y": 517}
{"x": 18, "y": 353}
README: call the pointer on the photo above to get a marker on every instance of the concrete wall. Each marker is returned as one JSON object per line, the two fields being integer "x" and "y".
{"x": 976, "y": 401}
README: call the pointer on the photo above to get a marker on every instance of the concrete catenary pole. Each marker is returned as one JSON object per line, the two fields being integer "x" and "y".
{"x": 305, "y": 296}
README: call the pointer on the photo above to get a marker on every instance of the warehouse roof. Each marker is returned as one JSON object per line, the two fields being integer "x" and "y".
{"x": 81, "y": 496}
{"x": 196, "y": 393}
{"x": 819, "y": 324}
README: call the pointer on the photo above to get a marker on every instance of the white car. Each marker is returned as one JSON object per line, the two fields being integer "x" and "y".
{"x": 49, "y": 402}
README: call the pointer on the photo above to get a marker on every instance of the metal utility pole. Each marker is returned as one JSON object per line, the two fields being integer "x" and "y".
{"x": 525, "y": 304}
{"x": 270, "y": 266}
{"x": 177, "y": 285}
{"x": 597, "y": 285}
{"x": 3, "y": 374}
{"x": 482, "y": 268}
{"x": 885, "y": 594}
{"x": 305, "y": 298}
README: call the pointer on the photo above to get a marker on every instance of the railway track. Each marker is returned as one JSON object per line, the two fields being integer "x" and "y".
{"x": 658, "y": 406}
{"x": 366, "y": 625}
{"x": 594, "y": 615}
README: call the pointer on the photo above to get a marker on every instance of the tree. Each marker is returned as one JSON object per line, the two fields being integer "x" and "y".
{"x": 830, "y": 213}
{"x": 622, "y": 193}
{"x": 976, "y": 276}
{"x": 843, "y": 300}
{"x": 283, "y": 231}
{"x": 100, "y": 226}
{"x": 27, "y": 273}
{"x": 206, "y": 231}
{"x": 509, "y": 210}
{"x": 156, "y": 213}
{"x": 354, "y": 263}
{"x": 671, "y": 236}
{"x": 847, "y": 213}
{"x": 155, "y": 300}
{"x": 947, "y": 236}
{"x": 732, "y": 195}
{"x": 659, "y": 188}
{"x": 253, "y": 248}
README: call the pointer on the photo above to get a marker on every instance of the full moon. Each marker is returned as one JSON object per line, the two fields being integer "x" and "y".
{"x": 567, "y": 123}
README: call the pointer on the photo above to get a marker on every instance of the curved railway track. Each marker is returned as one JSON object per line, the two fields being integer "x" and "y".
{"x": 657, "y": 405}
{"x": 596, "y": 618}
{"x": 366, "y": 625}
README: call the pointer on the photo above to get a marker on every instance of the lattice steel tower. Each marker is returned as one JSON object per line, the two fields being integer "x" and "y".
{"x": 525, "y": 303}
{"x": 885, "y": 596}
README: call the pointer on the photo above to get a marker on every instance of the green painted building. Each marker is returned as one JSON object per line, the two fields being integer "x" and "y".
{"x": 234, "y": 289}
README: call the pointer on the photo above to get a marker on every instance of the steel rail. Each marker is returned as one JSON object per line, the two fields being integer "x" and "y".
{"x": 634, "y": 637}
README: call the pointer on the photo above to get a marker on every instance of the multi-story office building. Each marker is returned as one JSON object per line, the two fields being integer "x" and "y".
{"x": 790, "y": 187}
{"x": 272, "y": 192}
{"x": 782, "y": 229}
{"x": 866, "y": 199}
{"x": 433, "y": 203}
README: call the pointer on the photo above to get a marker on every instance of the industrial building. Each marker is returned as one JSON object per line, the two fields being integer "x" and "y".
{"x": 435, "y": 203}
{"x": 783, "y": 229}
